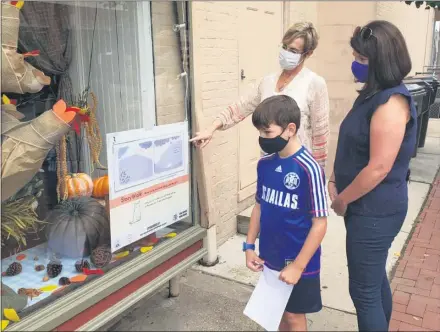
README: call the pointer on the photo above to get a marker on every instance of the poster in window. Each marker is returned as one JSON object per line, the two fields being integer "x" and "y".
{"x": 148, "y": 179}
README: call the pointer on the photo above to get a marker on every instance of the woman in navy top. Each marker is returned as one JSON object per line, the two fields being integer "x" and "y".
{"x": 369, "y": 184}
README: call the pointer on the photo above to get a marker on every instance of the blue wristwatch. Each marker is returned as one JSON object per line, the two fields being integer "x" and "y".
{"x": 247, "y": 246}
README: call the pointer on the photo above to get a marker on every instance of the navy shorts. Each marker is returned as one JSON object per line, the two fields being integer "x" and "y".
{"x": 305, "y": 297}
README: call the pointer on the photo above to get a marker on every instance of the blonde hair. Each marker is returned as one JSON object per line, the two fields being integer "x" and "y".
{"x": 304, "y": 30}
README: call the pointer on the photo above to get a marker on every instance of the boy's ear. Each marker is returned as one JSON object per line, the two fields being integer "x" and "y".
{"x": 292, "y": 128}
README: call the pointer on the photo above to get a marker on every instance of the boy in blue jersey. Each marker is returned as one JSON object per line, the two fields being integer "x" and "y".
{"x": 291, "y": 210}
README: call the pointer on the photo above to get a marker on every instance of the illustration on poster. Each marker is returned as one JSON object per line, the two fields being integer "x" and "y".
{"x": 149, "y": 181}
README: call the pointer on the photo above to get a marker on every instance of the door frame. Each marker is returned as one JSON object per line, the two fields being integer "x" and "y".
{"x": 248, "y": 191}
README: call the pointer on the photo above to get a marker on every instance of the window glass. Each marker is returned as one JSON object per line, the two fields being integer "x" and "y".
{"x": 115, "y": 64}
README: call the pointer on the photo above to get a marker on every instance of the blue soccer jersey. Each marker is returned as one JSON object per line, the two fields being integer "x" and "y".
{"x": 291, "y": 192}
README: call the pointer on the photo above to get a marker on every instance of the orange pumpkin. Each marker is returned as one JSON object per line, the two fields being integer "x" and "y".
{"x": 100, "y": 187}
{"x": 78, "y": 184}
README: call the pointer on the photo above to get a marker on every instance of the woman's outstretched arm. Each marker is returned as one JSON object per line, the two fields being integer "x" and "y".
{"x": 230, "y": 116}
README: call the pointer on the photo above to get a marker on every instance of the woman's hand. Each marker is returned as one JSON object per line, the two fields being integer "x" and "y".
{"x": 332, "y": 191}
{"x": 202, "y": 138}
{"x": 339, "y": 206}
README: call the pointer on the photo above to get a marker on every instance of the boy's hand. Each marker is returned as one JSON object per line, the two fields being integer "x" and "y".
{"x": 253, "y": 262}
{"x": 291, "y": 274}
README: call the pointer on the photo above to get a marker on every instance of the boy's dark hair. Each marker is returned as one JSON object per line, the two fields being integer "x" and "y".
{"x": 279, "y": 110}
{"x": 388, "y": 57}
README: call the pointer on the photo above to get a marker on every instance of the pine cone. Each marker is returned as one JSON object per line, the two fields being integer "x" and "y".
{"x": 13, "y": 269}
{"x": 54, "y": 268}
{"x": 101, "y": 256}
{"x": 82, "y": 264}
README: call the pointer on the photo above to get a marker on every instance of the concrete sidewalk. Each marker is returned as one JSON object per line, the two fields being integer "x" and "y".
{"x": 208, "y": 303}
{"x": 214, "y": 298}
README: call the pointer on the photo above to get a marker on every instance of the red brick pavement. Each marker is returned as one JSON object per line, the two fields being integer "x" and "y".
{"x": 416, "y": 283}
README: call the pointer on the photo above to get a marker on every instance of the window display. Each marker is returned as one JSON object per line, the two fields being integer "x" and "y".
{"x": 73, "y": 72}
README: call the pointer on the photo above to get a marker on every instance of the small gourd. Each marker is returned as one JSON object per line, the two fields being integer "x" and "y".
{"x": 100, "y": 187}
{"x": 78, "y": 184}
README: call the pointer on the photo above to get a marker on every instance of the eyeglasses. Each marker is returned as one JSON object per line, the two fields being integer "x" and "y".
{"x": 365, "y": 32}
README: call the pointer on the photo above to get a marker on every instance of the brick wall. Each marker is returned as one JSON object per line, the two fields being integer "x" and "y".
{"x": 215, "y": 74}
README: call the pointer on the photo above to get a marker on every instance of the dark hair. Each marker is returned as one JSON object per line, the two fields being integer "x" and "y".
{"x": 279, "y": 110}
{"x": 388, "y": 57}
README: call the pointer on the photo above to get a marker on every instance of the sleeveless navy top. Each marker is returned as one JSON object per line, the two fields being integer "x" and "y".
{"x": 353, "y": 154}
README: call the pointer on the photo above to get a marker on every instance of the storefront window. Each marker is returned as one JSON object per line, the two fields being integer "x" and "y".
{"x": 118, "y": 67}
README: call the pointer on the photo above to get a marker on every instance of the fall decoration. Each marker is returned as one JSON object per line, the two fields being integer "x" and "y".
{"x": 78, "y": 278}
{"x": 78, "y": 184}
{"x": 13, "y": 269}
{"x": 11, "y": 314}
{"x": 5, "y": 324}
{"x": 64, "y": 281}
{"x": 29, "y": 292}
{"x": 18, "y": 219}
{"x": 91, "y": 124}
{"x": 93, "y": 271}
{"x": 39, "y": 268}
{"x": 10, "y": 299}
{"x": 122, "y": 254}
{"x": 18, "y": 76}
{"x": 85, "y": 116}
{"x": 25, "y": 145}
{"x": 61, "y": 152}
{"x": 146, "y": 249}
{"x": 20, "y": 257}
{"x": 80, "y": 265}
{"x": 101, "y": 256}
{"x": 54, "y": 268}
{"x": 48, "y": 288}
{"x": 77, "y": 226}
{"x": 100, "y": 187}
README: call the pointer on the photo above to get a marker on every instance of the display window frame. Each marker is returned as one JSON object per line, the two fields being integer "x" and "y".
{"x": 67, "y": 306}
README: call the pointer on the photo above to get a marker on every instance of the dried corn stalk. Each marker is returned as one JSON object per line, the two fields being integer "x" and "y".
{"x": 93, "y": 133}
{"x": 87, "y": 116}
{"x": 61, "y": 150}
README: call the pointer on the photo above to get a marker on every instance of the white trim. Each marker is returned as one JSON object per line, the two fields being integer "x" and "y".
{"x": 146, "y": 64}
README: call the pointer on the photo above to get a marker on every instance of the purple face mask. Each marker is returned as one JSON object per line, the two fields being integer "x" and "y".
{"x": 360, "y": 71}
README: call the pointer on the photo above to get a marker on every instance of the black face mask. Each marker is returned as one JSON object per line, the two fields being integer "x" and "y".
{"x": 272, "y": 145}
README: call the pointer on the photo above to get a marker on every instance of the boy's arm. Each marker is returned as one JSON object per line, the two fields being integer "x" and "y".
{"x": 253, "y": 262}
{"x": 254, "y": 224}
{"x": 312, "y": 243}
{"x": 319, "y": 212}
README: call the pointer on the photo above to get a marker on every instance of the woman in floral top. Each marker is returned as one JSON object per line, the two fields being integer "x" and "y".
{"x": 307, "y": 88}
